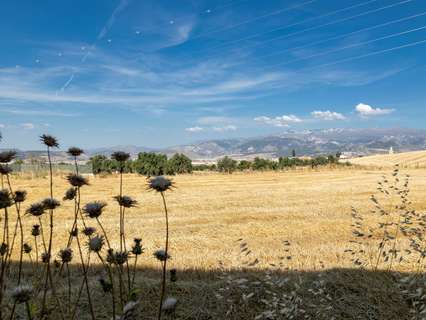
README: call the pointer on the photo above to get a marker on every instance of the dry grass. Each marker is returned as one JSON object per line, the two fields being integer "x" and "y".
{"x": 209, "y": 212}
{"x": 416, "y": 159}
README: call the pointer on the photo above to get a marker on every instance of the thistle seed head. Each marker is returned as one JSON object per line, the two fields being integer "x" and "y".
{"x": 45, "y": 257}
{"x": 5, "y": 199}
{"x": 49, "y": 141}
{"x": 88, "y": 231}
{"x": 7, "y": 156}
{"x": 96, "y": 243}
{"x": 3, "y": 249}
{"x": 110, "y": 256}
{"x": 20, "y": 196}
{"x": 120, "y": 156}
{"x": 27, "y": 248}
{"x": 66, "y": 255}
{"x": 35, "y": 231}
{"x": 77, "y": 180}
{"x": 106, "y": 286}
{"x": 160, "y": 184}
{"x": 50, "y": 204}
{"x": 161, "y": 255}
{"x": 121, "y": 257}
{"x": 126, "y": 201}
{"x": 70, "y": 194}
{"x": 22, "y": 293}
{"x": 137, "y": 248}
{"x": 169, "y": 305}
{"x": 173, "y": 275}
{"x": 36, "y": 209}
{"x": 94, "y": 209}
{"x": 74, "y": 232}
{"x": 5, "y": 170}
{"x": 75, "y": 152}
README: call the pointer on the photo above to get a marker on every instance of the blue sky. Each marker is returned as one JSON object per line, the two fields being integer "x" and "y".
{"x": 159, "y": 73}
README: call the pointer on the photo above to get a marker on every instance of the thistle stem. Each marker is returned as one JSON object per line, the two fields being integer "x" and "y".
{"x": 163, "y": 282}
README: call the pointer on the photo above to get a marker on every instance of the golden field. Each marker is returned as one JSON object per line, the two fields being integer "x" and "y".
{"x": 415, "y": 159}
{"x": 210, "y": 211}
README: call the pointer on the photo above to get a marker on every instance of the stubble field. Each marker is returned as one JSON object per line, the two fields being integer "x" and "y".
{"x": 210, "y": 212}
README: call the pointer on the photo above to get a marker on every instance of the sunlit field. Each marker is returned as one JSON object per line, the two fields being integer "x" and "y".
{"x": 209, "y": 212}
{"x": 301, "y": 218}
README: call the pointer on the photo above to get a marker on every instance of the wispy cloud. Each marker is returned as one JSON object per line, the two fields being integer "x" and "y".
{"x": 225, "y": 128}
{"x": 328, "y": 115}
{"x": 194, "y": 129}
{"x": 280, "y": 121}
{"x": 28, "y": 126}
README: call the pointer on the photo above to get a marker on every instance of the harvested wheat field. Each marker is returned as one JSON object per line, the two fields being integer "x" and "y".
{"x": 227, "y": 229}
{"x": 415, "y": 159}
{"x": 209, "y": 212}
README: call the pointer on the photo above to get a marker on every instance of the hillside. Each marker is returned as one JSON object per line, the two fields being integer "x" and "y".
{"x": 415, "y": 159}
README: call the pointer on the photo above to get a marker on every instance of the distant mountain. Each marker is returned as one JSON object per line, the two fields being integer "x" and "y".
{"x": 308, "y": 143}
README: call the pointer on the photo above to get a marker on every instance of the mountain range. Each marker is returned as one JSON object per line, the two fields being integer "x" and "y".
{"x": 354, "y": 142}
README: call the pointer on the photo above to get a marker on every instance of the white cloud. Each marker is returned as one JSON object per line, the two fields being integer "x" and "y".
{"x": 2, "y": 126}
{"x": 194, "y": 129}
{"x": 27, "y": 126}
{"x": 282, "y": 121}
{"x": 328, "y": 115}
{"x": 365, "y": 110}
{"x": 225, "y": 128}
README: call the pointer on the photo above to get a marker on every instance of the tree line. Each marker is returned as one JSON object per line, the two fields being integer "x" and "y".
{"x": 154, "y": 164}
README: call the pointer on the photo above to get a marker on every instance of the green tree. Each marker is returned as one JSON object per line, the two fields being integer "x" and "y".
{"x": 98, "y": 163}
{"x": 179, "y": 163}
{"x": 150, "y": 164}
{"x": 244, "y": 165}
{"x": 226, "y": 164}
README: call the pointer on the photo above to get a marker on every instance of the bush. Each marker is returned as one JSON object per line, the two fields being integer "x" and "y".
{"x": 179, "y": 163}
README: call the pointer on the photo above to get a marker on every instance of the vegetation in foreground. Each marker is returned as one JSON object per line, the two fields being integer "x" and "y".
{"x": 385, "y": 256}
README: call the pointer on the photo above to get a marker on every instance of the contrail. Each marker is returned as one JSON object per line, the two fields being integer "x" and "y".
{"x": 314, "y": 27}
{"x": 374, "y": 53}
{"x": 104, "y": 31}
{"x": 393, "y": 35}
{"x": 255, "y": 19}
{"x": 339, "y": 36}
